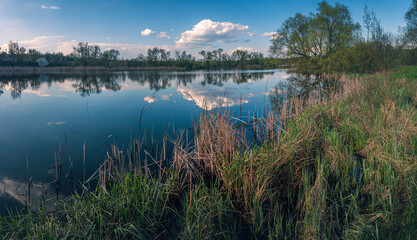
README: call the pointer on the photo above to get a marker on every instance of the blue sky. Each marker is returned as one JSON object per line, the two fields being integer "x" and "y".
{"x": 133, "y": 26}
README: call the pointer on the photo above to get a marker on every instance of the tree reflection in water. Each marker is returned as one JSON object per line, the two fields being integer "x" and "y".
{"x": 87, "y": 85}
{"x": 301, "y": 86}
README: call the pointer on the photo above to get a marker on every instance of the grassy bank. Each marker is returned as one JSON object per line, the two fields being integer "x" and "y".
{"x": 344, "y": 166}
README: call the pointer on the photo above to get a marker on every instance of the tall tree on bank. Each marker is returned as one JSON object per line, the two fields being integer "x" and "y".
{"x": 87, "y": 54}
{"x": 410, "y": 34}
{"x": 311, "y": 39}
{"x": 411, "y": 28}
{"x": 240, "y": 56}
{"x": 157, "y": 55}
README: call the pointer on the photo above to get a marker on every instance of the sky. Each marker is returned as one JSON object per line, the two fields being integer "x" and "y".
{"x": 133, "y": 26}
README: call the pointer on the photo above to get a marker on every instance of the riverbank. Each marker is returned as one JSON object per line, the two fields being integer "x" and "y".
{"x": 343, "y": 166}
{"x": 17, "y": 71}
{"x": 65, "y": 70}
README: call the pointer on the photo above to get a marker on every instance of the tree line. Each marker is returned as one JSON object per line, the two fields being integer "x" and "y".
{"x": 85, "y": 54}
{"x": 328, "y": 40}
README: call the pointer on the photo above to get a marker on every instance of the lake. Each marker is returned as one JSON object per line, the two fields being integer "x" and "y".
{"x": 42, "y": 116}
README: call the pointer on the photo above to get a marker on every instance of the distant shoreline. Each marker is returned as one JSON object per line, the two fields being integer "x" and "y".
{"x": 22, "y": 70}
{"x": 58, "y": 70}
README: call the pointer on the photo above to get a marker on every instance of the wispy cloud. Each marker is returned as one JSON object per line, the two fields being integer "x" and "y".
{"x": 268, "y": 34}
{"x": 40, "y": 43}
{"x": 50, "y": 7}
{"x": 56, "y": 123}
{"x": 271, "y": 35}
{"x": 249, "y": 49}
{"x": 207, "y": 32}
{"x": 265, "y": 34}
{"x": 163, "y": 35}
{"x": 152, "y": 99}
{"x": 147, "y": 32}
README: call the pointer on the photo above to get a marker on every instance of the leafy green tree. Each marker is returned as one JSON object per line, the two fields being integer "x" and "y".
{"x": 15, "y": 51}
{"x": 184, "y": 59}
{"x": 411, "y": 28}
{"x": 335, "y": 22}
{"x": 109, "y": 56}
{"x": 157, "y": 55}
{"x": 83, "y": 52}
{"x": 256, "y": 58}
{"x": 34, "y": 54}
{"x": 373, "y": 27}
{"x": 207, "y": 57}
{"x": 240, "y": 56}
{"x": 227, "y": 60}
{"x": 311, "y": 39}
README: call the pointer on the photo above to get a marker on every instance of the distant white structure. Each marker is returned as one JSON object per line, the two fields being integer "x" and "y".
{"x": 42, "y": 62}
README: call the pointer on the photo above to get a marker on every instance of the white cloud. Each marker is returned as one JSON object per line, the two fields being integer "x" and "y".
{"x": 59, "y": 44}
{"x": 56, "y": 123}
{"x": 163, "y": 35}
{"x": 147, "y": 32}
{"x": 149, "y": 99}
{"x": 152, "y": 99}
{"x": 207, "y": 32}
{"x": 251, "y": 34}
{"x": 130, "y": 50}
{"x": 249, "y": 49}
{"x": 165, "y": 97}
{"x": 50, "y": 7}
{"x": 40, "y": 43}
{"x": 209, "y": 98}
{"x": 268, "y": 34}
{"x": 272, "y": 35}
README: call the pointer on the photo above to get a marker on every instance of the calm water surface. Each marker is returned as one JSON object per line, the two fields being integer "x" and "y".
{"x": 41, "y": 113}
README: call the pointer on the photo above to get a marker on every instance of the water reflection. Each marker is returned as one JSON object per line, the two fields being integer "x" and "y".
{"x": 39, "y": 113}
{"x": 300, "y": 86}
{"x": 15, "y": 193}
{"x": 87, "y": 85}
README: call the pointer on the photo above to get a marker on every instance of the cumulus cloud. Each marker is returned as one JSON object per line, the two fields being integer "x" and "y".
{"x": 147, "y": 32}
{"x": 50, "y": 7}
{"x": 163, "y": 35}
{"x": 209, "y": 98}
{"x": 251, "y": 34}
{"x": 207, "y": 32}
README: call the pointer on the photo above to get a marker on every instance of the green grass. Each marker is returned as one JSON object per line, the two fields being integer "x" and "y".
{"x": 344, "y": 169}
